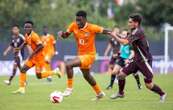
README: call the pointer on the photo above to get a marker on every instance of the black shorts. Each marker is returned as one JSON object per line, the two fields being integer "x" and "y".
{"x": 144, "y": 67}
{"x": 120, "y": 61}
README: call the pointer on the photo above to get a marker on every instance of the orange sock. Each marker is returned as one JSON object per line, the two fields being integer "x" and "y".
{"x": 46, "y": 74}
{"x": 96, "y": 89}
{"x": 22, "y": 79}
{"x": 70, "y": 83}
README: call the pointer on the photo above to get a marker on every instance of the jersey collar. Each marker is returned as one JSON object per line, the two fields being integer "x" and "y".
{"x": 86, "y": 24}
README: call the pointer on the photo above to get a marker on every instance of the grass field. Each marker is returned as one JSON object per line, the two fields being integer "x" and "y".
{"x": 36, "y": 97}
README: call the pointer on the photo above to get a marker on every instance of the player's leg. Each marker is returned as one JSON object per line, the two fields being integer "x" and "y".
{"x": 43, "y": 68}
{"x": 18, "y": 62}
{"x": 8, "y": 82}
{"x": 130, "y": 68}
{"x": 62, "y": 67}
{"x": 110, "y": 69}
{"x": 137, "y": 78}
{"x": 15, "y": 65}
{"x": 69, "y": 69}
{"x": 90, "y": 79}
{"x": 145, "y": 69}
{"x": 22, "y": 78}
{"x": 113, "y": 76}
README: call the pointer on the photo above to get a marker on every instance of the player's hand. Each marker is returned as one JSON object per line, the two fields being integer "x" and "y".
{"x": 60, "y": 34}
{"x": 127, "y": 61}
{"x": 5, "y": 53}
{"x": 56, "y": 53}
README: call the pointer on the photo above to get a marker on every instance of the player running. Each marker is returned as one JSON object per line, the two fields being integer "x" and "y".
{"x": 114, "y": 46}
{"x": 16, "y": 45}
{"x": 36, "y": 59}
{"x": 49, "y": 49}
{"x": 142, "y": 60}
{"x": 125, "y": 57}
{"x": 84, "y": 34}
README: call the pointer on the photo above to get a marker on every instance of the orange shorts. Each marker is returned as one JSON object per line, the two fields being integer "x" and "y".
{"x": 48, "y": 57}
{"x": 86, "y": 61}
{"x": 39, "y": 63}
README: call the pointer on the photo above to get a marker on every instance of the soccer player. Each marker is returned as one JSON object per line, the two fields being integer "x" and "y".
{"x": 142, "y": 60}
{"x": 17, "y": 43}
{"x": 125, "y": 57}
{"x": 114, "y": 46}
{"x": 84, "y": 33}
{"x": 35, "y": 59}
{"x": 49, "y": 49}
{"x": 49, "y": 44}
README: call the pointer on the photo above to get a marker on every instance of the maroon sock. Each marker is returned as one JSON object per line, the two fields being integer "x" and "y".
{"x": 121, "y": 84}
{"x": 157, "y": 90}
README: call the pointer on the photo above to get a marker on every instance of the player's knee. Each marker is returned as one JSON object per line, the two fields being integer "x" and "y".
{"x": 115, "y": 72}
{"x": 15, "y": 65}
{"x": 149, "y": 85}
{"x": 23, "y": 70}
{"x": 39, "y": 76}
{"x": 121, "y": 75}
{"x": 68, "y": 65}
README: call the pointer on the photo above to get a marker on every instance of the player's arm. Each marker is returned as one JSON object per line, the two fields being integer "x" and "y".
{"x": 63, "y": 34}
{"x": 108, "y": 48}
{"x": 39, "y": 46}
{"x": 7, "y": 50}
{"x": 118, "y": 38}
{"x": 37, "y": 50}
{"x": 66, "y": 34}
{"x": 106, "y": 31}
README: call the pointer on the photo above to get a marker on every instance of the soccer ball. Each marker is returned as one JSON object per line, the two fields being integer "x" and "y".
{"x": 56, "y": 97}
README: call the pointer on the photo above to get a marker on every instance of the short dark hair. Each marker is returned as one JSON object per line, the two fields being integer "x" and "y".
{"x": 15, "y": 25}
{"x": 30, "y": 22}
{"x": 81, "y": 13}
{"x": 136, "y": 17}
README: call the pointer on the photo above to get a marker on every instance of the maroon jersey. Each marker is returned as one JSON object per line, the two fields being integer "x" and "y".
{"x": 115, "y": 45}
{"x": 140, "y": 45}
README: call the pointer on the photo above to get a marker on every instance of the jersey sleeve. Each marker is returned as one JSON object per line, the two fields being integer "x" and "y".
{"x": 36, "y": 39}
{"x": 97, "y": 29}
{"x": 70, "y": 28}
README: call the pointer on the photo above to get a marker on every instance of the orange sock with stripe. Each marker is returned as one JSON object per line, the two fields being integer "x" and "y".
{"x": 96, "y": 89}
{"x": 70, "y": 83}
{"x": 22, "y": 79}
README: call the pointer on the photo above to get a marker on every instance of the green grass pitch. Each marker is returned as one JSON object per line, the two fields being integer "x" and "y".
{"x": 37, "y": 93}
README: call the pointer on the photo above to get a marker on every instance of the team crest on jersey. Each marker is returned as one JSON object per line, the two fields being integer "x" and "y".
{"x": 87, "y": 34}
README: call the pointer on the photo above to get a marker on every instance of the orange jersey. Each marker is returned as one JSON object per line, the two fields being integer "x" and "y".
{"x": 85, "y": 37}
{"x": 33, "y": 40}
{"x": 48, "y": 42}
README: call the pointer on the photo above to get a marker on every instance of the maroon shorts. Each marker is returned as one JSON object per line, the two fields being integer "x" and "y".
{"x": 113, "y": 60}
{"x": 141, "y": 66}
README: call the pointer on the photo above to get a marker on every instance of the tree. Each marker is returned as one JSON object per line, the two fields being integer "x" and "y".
{"x": 156, "y": 12}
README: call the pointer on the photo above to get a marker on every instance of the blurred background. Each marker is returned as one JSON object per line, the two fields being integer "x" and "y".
{"x": 57, "y": 15}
